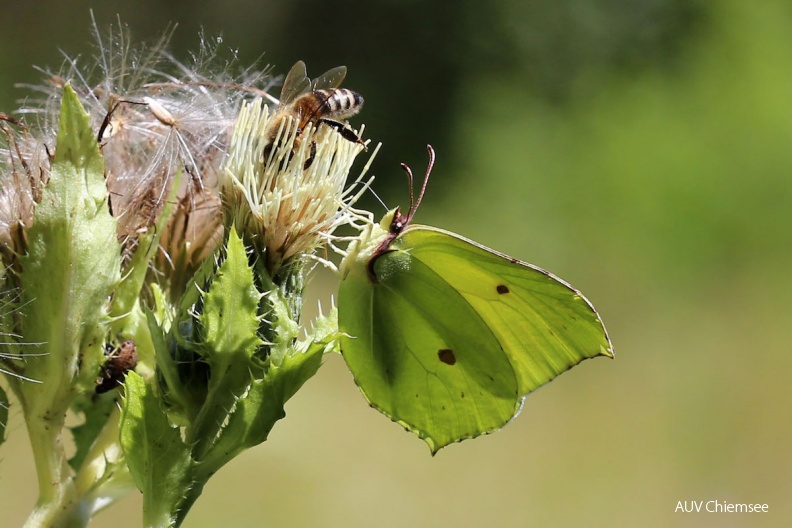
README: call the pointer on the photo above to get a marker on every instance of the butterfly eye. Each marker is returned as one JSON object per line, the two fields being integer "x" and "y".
{"x": 398, "y": 223}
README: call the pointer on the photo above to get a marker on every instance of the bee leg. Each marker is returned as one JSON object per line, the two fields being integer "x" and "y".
{"x": 346, "y": 132}
{"x": 309, "y": 161}
{"x": 266, "y": 154}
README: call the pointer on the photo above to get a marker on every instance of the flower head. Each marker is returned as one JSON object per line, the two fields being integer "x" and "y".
{"x": 288, "y": 199}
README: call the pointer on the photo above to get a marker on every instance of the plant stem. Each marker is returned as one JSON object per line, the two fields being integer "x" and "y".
{"x": 57, "y": 503}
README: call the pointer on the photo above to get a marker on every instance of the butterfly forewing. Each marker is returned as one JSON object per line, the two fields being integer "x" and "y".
{"x": 544, "y": 325}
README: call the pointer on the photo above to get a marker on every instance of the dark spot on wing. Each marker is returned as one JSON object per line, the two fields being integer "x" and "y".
{"x": 446, "y": 355}
{"x": 502, "y": 288}
{"x": 462, "y": 394}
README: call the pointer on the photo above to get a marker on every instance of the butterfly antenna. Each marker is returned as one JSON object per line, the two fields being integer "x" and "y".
{"x": 414, "y": 205}
{"x": 408, "y": 170}
{"x": 426, "y": 176}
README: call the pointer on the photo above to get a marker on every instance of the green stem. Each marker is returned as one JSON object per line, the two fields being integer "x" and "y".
{"x": 189, "y": 500}
{"x": 203, "y": 431}
{"x": 57, "y": 505}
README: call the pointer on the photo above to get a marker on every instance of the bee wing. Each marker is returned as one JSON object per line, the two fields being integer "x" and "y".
{"x": 295, "y": 83}
{"x": 329, "y": 79}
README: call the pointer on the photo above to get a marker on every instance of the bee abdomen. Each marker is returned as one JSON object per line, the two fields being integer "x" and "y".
{"x": 340, "y": 102}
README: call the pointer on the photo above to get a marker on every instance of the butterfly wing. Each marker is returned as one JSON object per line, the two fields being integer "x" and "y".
{"x": 449, "y": 336}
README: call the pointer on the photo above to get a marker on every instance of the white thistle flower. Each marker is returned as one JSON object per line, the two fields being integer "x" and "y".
{"x": 286, "y": 209}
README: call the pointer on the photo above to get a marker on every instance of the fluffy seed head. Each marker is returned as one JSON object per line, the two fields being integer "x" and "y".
{"x": 163, "y": 126}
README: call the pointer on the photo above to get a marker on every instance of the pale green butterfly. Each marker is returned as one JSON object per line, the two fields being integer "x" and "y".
{"x": 445, "y": 336}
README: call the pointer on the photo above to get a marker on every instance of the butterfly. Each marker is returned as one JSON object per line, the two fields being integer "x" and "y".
{"x": 447, "y": 337}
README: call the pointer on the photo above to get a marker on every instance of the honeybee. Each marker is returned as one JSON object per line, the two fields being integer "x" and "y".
{"x": 314, "y": 102}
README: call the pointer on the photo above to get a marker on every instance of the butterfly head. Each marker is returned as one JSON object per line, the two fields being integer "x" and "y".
{"x": 398, "y": 221}
{"x": 377, "y": 239}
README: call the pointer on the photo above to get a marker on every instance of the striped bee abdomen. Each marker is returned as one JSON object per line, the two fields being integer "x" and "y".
{"x": 339, "y": 103}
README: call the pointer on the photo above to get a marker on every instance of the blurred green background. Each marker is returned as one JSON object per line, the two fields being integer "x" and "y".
{"x": 642, "y": 150}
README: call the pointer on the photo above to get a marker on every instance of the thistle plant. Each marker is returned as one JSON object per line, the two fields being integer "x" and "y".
{"x": 140, "y": 220}
{"x": 158, "y": 226}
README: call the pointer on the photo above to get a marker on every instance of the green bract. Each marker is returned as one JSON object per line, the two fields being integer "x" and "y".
{"x": 447, "y": 337}
{"x": 219, "y": 381}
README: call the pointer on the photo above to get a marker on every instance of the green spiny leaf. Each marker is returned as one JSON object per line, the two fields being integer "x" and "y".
{"x": 229, "y": 318}
{"x": 254, "y": 415}
{"x": 230, "y": 323}
{"x": 71, "y": 268}
{"x": 158, "y": 460}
